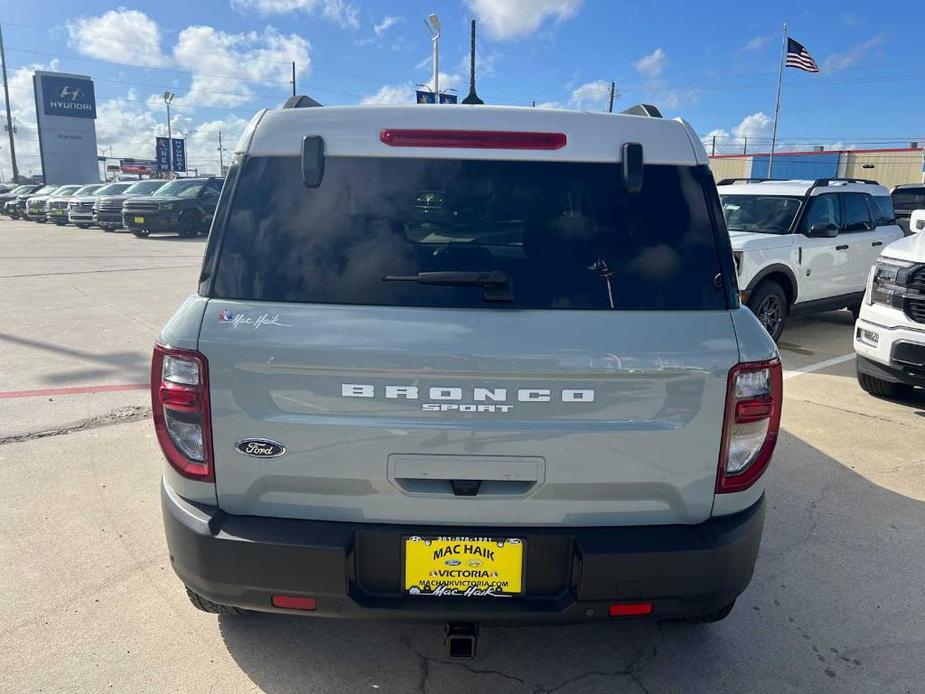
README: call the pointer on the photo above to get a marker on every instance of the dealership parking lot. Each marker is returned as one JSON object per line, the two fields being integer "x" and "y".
{"x": 91, "y": 603}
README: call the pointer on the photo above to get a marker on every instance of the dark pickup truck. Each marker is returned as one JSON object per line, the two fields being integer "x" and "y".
{"x": 184, "y": 206}
{"x": 107, "y": 210}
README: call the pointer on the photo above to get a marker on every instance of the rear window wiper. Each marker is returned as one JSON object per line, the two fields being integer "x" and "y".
{"x": 497, "y": 284}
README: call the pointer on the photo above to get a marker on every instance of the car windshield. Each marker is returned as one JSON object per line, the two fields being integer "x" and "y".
{"x": 143, "y": 187}
{"x": 113, "y": 189}
{"x": 469, "y": 233}
{"x": 88, "y": 190}
{"x": 181, "y": 189}
{"x": 45, "y": 190}
{"x": 66, "y": 190}
{"x": 19, "y": 190}
{"x": 765, "y": 214}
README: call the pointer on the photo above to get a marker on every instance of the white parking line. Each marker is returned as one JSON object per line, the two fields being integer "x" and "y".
{"x": 818, "y": 366}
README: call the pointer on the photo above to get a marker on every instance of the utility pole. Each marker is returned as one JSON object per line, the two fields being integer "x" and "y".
{"x": 293, "y": 78}
{"x": 221, "y": 155}
{"x": 713, "y": 150}
{"x": 168, "y": 97}
{"x": 613, "y": 91}
{"x": 745, "y": 147}
{"x": 9, "y": 117}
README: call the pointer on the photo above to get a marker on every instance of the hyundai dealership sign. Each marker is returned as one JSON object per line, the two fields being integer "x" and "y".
{"x": 65, "y": 108}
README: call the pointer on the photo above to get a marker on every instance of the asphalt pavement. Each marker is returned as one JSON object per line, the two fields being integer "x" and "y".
{"x": 90, "y": 603}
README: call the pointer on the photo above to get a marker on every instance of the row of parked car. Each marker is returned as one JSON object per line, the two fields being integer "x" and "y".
{"x": 183, "y": 206}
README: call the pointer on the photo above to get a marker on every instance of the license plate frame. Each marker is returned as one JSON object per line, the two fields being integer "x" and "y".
{"x": 138, "y": 220}
{"x": 511, "y": 568}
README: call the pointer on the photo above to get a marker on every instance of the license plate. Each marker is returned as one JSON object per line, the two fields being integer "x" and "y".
{"x": 468, "y": 567}
{"x": 138, "y": 220}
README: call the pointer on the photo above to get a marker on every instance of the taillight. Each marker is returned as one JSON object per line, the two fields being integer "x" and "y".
{"x": 180, "y": 402}
{"x": 475, "y": 139}
{"x": 753, "y": 405}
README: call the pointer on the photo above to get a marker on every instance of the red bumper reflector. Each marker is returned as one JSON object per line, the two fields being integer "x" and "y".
{"x": 752, "y": 411}
{"x": 292, "y": 602}
{"x": 474, "y": 139}
{"x": 178, "y": 397}
{"x": 630, "y": 609}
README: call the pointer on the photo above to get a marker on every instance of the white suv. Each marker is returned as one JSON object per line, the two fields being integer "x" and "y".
{"x": 804, "y": 246}
{"x": 889, "y": 336}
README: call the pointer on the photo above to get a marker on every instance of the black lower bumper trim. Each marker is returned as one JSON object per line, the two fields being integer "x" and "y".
{"x": 354, "y": 569}
{"x": 893, "y": 374}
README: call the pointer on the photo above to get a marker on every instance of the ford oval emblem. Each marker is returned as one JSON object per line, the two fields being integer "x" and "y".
{"x": 260, "y": 448}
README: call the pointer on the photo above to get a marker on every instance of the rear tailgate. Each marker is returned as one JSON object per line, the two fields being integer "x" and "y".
{"x": 591, "y": 418}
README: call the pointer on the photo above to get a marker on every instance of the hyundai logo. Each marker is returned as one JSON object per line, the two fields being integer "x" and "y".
{"x": 69, "y": 93}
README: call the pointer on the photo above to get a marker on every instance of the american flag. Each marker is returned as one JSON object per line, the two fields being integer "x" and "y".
{"x": 799, "y": 57}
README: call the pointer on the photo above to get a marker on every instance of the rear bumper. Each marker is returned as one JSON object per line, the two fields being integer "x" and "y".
{"x": 354, "y": 569}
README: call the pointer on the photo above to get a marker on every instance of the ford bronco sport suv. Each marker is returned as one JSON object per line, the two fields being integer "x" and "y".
{"x": 805, "y": 246}
{"x": 466, "y": 364}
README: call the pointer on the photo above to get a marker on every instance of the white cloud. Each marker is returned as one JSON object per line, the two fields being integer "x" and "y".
{"x": 756, "y": 128}
{"x": 652, "y": 65}
{"x": 515, "y": 19}
{"x": 590, "y": 95}
{"x": 336, "y": 11}
{"x": 392, "y": 94}
{"x": 208, "y": 52}
{"x": 756, "y": 43}
{"x": 387, "y": 22}
{"x": 854, "y": 55}
{"x": 549, "y": 104}
{"x": 121, "y": 35}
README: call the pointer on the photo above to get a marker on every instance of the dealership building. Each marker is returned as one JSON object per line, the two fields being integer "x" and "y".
{"x": 888, "y": 166}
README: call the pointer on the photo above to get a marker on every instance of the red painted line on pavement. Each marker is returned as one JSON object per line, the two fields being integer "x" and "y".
{"x": 75, "y": 390}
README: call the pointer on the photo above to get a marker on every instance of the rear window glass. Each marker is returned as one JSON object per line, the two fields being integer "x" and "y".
{"x": 565, "y": 234}
{"x": 909, "y": 198}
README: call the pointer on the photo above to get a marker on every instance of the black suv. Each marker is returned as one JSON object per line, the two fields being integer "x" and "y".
{"x": 184, "y": 206}
{"x": 907, "y": 198}
{"x": 107, "y": 210}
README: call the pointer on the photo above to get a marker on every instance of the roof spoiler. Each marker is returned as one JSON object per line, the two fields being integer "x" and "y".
{"x": 300, "y": 101}
{"x": 642, "y": 110}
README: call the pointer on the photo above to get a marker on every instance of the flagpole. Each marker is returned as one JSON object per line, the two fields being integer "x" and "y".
{"x": 780, "y": 80}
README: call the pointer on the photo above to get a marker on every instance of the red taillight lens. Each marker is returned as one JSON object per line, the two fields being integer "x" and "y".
{"x": 475, "y": 139}
{"x": 294, "y": 602}
{"x": 180, "y": 403}
{"x": 630, "y": 609}
{"x": 754, "y": 396}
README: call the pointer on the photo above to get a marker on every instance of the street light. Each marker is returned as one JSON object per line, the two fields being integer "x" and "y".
{"x": 168, "y": 97}
{"x": 433, "y": 24}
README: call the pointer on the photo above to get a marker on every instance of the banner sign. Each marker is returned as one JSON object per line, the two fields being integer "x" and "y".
{"x": 163, "y": 156}
{"x": 448, "y": 99}
{"x": 138, "y": 166}
{"x": 425, "y": 97}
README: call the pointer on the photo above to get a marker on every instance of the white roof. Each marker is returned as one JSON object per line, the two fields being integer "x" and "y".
{"x": 353, "y": 131}
{"x": 798, "y": 188}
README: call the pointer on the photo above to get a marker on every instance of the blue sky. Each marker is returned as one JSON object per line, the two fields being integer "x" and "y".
{"x": 225, "y": 59}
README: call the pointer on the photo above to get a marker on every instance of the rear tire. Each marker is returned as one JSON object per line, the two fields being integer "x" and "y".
{"x": 200, "y": 603}
{"x": 882, "y": 389}
{"x": 708, "y": 618}
{"x": 140, "y": 233}
{"x": 83, "y": 226}
{"x": 769, "y": 303}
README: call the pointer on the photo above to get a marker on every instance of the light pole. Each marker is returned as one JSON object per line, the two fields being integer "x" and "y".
{"x": 168, "y": 97}
{"x": 433, "y": 23}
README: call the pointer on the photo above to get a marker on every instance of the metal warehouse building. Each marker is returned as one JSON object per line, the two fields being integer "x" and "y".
{"x": 888, "y": 166}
